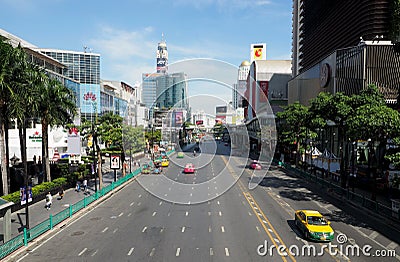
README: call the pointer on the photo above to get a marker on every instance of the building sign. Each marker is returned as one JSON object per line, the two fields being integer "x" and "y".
{"x": 258, "y": 52}
{"x": 36, "y": 137}
{"x": 178, "y": 119}
{"x": 115, "y": 162}
{"x": 199, "y": 122}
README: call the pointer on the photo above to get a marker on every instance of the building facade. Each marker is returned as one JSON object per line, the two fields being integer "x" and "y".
{"x": 320, "y": 27}
{"x": 240, "y": 86}
{"x": 171, "y": 91}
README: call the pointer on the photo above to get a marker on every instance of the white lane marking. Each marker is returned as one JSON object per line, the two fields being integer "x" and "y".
{"x": 152, "y": 251}
{"x": 392, "y": 245}
{"x": 218, "y": 202}
{"x": 220, "y": 213}
{"x": 250, "y": 214}
{"x": 209, "y": 228}
{"x": 166, "y": 195}
{"x": 192, "y": 187}
{"x": 208, "y": 202}
{"x": 129, "y": 214}
{"x": 94, "y": 253}
{"x": 215, "y": 188}
{"x": 140, "y": 195}
{"x": 276, "y": 240}
{"x": 270, "y": 230}
{"x": 265, "y": 222}
{"x": 258, "y": 229}
{"x": 131, "y": 204}
{"x": 211, "y": 251}
{"x": 255, "y": 208}
{"x": 115, "y": 230}
{"x": 227, "y": 252}
{"x": 178, "y": 250}
{"x": 104, "y": 230}
{"x": 144, "y": 229}
{"x": 154, "y": 213}
{"x": 130, "y": 251}
{"x": 222, "y": 229}
{"x": 259, "y": 214}
{"x": 373, "y": 235}
{"x": 161, "y": 230}
{"x": 169, "y": 213}
{"x": 121, "y": 214}
{"x": 187, "y": 213}
{"x": 160, "y": 203}
{"x": 209, "y": 213}
{"x": 183, "y": 229}
{"x": 191, "y": 194}
{"x": 83, "y": 251}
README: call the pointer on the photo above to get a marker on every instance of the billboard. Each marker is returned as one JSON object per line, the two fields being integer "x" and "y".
{"x": 258, "y": 52}
{"x": 221, "y": 109}
{"x": 178, "y": 119}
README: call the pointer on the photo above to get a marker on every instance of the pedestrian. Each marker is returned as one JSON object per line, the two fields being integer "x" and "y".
{"x": 49, "y": 199}
{"x": 139, "y": 162}
{"x": 78, "y": 186}
{"x": 84, "y": 185}
{"x": 61, "y": 193}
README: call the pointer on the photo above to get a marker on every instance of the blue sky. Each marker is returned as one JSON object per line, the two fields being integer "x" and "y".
{"x": 126, "y": 32}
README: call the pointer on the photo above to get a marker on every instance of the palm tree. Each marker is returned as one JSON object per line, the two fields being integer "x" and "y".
{"x": 6, "y": 61}
{"x": 56, "y": 107}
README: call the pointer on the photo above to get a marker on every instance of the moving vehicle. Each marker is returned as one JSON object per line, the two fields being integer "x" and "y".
{"x": 164, "y": 162}
{"x": 157, "y": 170}
{"x": 255, "y": 165}
{"x": 313, "y": 225}
{"x": 189, "y": 168}
{"x": 180, "y": 155}
{"x": 146, "y": 169}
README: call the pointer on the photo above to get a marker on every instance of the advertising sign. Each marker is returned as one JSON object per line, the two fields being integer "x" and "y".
{"x": 258, "y": 52}
{"x": 221, "y": 109}
{"x": 199, "y": 122}
{"x": 22, "y": 195}
{"x": 115, "y": 162}
{"x": 178, "y": 119}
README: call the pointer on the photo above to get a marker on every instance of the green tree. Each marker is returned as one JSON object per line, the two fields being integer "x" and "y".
{"x": 55, "y": 105}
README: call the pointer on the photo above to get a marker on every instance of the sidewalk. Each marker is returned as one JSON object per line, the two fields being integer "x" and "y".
{"x": 38, "y": 212}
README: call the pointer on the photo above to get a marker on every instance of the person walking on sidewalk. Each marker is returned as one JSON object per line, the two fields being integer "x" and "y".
{"x": 84, "y": 185}
{"x": 49, "y": 199}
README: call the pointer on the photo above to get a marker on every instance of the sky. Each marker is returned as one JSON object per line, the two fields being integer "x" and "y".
{"x": 126, "y": 33}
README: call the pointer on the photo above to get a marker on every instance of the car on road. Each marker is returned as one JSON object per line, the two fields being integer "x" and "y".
{"x": 189, "y": 168}
{"x": 164, "y": 162}
{"x": 255, "y": 165}
{"x": 157, "y": 170}
{"x": 146, "y": 169}
{"x": 313, "y": 225}
{"x": 180, "y": 155}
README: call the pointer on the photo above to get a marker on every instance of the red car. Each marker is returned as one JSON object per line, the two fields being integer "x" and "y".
{"x": 189, "y": 168}
{"x": 255, "y": 165}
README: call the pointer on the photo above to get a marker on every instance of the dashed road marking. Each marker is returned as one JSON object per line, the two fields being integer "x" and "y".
{"x": 94, "y": 253}
{"x": 211, "y": 251}
{"x": 131, "y": 204}
{"x": 104, "y": 230}
{"x": 144, "y": 229}
{"x": 227, "y": 252}
{"x": 222, "y": 229}
{"x": 140, "y": 195}
{"x": 209, "y": 229}
{"x": 183, "y": 229}
{"x": 258, "y": 229}
{"x": 220, "y": 213}
{"x": 187, "y": 213}
{"x": 250, "y": 214}
{"x": 178, "y": 251}
{"x": 120, "y": 215}
{"x": 129, "y": 214}
{"x": 83, "y": 251}
{"x": 154, "y": 213}
{"x": 115, "y": 230}
{"x": 160, "y": 203}
{"x": 130, "y": 251}
{"x": 152, "y": 251}
{"x": 209, "y": 213}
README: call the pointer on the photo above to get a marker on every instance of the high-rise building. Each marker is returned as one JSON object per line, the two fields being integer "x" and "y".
{"x": 85, "y": 68}
{"x": 162, "y": 56}
{"x": 322, "y": 26}
{"x": 149, "y": 89}
{"x": 343, "y": 46}
{"x": 240, "y": 87}
{"x": 171, "y": 91}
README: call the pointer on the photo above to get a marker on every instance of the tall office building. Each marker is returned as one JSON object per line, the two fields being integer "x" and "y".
{"x": 171, "y": 91}
{"x": 240, "y": 87}
{"x": 84, "y": 68}
{"x": 149, "y": 89}
{"x": 162, "y": 56}
{"x": 322, "y": 26}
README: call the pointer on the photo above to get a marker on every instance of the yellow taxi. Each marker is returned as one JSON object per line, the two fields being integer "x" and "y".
{"x": 313, "y": 225}
{"x": 164, "y": 162}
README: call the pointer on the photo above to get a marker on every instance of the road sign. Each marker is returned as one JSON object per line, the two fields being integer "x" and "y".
{"x": 115, "y": 162}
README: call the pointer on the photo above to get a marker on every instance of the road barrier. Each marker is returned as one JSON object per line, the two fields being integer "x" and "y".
{"x": 346, "y": 194}
{"x": 53, "y": 220}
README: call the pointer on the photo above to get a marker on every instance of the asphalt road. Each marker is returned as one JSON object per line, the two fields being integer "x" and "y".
{"x": 210, "y": 216}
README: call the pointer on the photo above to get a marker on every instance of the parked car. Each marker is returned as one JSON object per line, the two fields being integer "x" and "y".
{"x": 313, "y": 225}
